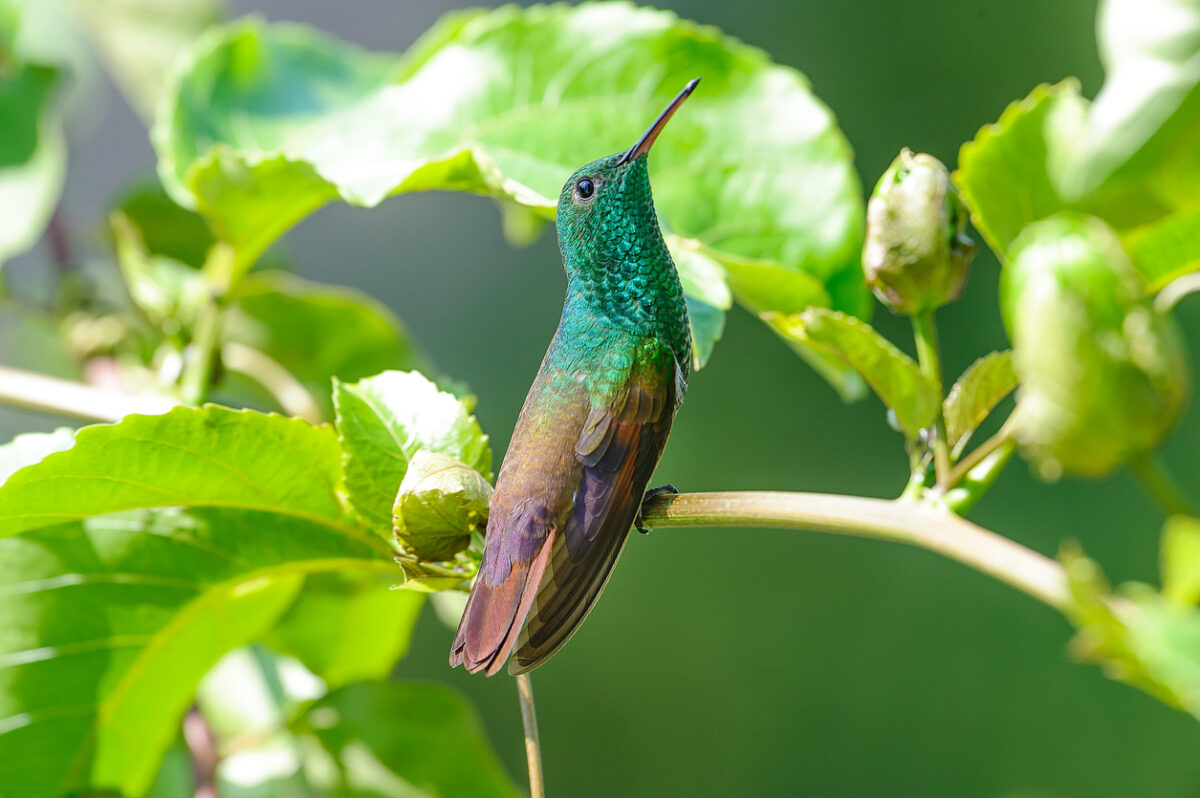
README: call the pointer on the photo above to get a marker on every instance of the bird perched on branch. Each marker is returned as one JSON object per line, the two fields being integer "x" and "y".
{"x": 593, "y": 425}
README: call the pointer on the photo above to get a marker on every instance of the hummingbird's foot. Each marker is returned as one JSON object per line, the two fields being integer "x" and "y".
{"x": 650, "y": 494}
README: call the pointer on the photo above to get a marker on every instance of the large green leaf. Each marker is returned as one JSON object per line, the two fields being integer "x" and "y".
{"x": 348, "y": 627}
{"x": 319, "y": 331}
{"x": 107, "y": 625}
{"x": 395, "y": 740}
{"x": 893, "y": 375}
{"x": 1006, "y": 175}
{"x": 385, "y": 420}
{"x": 267, "y": 123}
{"x": 211, "y": 456}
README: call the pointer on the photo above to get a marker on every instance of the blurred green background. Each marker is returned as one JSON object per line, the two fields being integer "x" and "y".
{"x": 747, "y": 663}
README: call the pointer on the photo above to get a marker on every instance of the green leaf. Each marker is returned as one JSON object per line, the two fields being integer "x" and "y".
{"x": 25, "y": 450}
{"x": 169, "y": 293}
{"x": 164, "y": 227}
{"x": 399, "y": 739}
{"x": 1179, "y": 557}
{"x": 440, "y": 503}
{"x": 383, "y": 422}
{"x": 1166, "y": 249}
{"x": 348, "y": 627}
{"x": 891, "y": 374}
{"x": 1137, "y": 156}
{"x": 107, "y": 624}
{"x": 318, "y": 331}
{"x": 1138, "y": 637}
{"x": 496, "y": 103}
{"x": 140, "y": 40}
{"x": 973, "y": 396}
{"x": 707, "y": 294}
{"x": 33, "y": 155}
{"x": 206, "y": 457}
{"x": 1006, "y": 174}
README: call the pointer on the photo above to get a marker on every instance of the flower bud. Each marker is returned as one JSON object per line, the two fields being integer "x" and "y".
{"x": 440, "y": 502}
{"x": 1103, "y": 374}
{"x": 916, "y": 255}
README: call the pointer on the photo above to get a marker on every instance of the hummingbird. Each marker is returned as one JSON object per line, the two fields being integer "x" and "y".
{"x": 593, "y": 425}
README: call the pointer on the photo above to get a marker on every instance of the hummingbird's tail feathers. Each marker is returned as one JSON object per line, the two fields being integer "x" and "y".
{"x": 560, "y": 609}
{"x": 618, "y": 451}
{"x": 495, "y": 614}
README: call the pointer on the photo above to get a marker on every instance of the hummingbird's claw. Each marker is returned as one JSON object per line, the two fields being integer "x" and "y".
{"x": 650, "y": 494}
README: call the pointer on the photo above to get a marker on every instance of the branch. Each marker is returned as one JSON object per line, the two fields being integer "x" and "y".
{"x": 533, "y": 746}
{"x": 909, "y": 522}
{"x": 68, "y": 398}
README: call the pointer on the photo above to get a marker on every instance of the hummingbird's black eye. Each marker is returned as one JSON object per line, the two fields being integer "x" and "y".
{"x": 585, "y": 188}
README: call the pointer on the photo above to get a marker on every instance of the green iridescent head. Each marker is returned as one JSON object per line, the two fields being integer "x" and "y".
{"x": 607, "y": 229}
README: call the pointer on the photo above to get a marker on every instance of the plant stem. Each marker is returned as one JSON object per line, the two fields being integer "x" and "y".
{"x": 197, "y": 374}
{"x": 219, "y": 269}
{"x": 1161, "y": 486}
{"x": 925, "y": 333}
{"x": 1002, "y": 437}
{"x": 68, "y": 398}
{"x": 293, "y": 398}
{"x": 915, "y": 523}
{"x": 533, "y": 747}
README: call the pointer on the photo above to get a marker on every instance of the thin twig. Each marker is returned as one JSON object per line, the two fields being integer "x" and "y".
{"x": 202, "y": 746}
{"x": 293, "y": 398}
{"x": 915, "y": 523}
{"x": 979, "y": 453}
{"x": 68, "y": 398}
{"x": 533, "y": 747}
{"x": 925, "y": 334}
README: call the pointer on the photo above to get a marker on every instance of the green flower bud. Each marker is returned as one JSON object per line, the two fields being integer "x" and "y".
{"x": 440, "y": 502}
{"x": 1103, "y": 374}
{"x": 917, "y": 252}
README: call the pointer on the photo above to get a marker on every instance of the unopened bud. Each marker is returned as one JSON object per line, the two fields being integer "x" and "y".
{"x": 916, "y": 255}
{"x": 1103, "y": 374}
{"x": 440, "y": 503}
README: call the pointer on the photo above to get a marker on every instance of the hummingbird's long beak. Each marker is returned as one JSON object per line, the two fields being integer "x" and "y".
{"x": 647, "y": 140}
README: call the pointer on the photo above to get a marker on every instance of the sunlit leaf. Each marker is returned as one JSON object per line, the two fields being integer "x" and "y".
{"x": 267, "y": 123}
{"x": 400, "y": 739}
{"x": 891, "y": 374}
{"x": 211, "y": 457}
{"x": 1166, "y": 249}
{"x": 383, "y": 422}
{"x": 1137, "y": 156}
{"x": 973, "y": 396}
{"x": 1006, "y": 174}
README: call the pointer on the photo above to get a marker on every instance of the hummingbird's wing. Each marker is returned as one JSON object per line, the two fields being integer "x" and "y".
{"x": 569, "y": 490}
{"x": 617, "y": 451}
